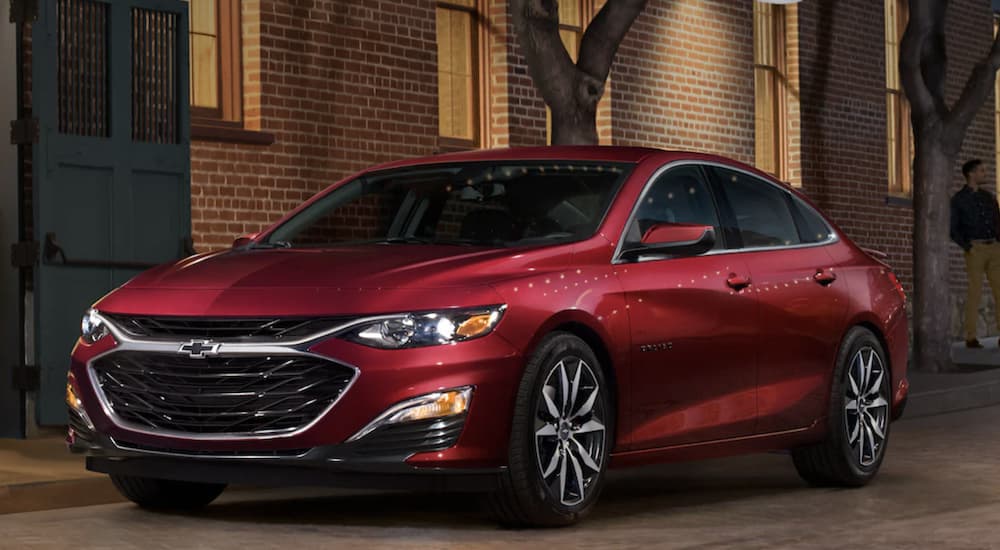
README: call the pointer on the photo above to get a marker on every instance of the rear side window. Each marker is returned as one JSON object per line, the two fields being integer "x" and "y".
{"x": 763, "y": 212}
{"x": 812, "y": 227}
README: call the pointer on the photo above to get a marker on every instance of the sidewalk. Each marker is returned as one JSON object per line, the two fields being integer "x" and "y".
{"x": 40, "y": 474}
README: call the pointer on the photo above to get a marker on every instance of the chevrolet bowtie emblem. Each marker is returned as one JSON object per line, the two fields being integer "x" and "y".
{"x": 199, "y": 349}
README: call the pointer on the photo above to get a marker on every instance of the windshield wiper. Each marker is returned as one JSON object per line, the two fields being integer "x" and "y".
{"x": 405, "y": 240}
{"x": 420, "y": 240}
{"x": 275, "y": 244}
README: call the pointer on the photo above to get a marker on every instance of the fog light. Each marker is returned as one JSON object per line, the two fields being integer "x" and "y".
{"x": 426, "y": 407}
{"x": 435, "y": 405}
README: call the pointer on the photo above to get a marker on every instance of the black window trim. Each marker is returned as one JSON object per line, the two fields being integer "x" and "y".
{"x": 722, "y": 205}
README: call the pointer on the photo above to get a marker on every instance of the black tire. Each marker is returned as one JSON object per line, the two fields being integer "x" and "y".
{"x": 835, "y": 461}
{"x": 524, "y": 498}
{"x": 165, "y": 494}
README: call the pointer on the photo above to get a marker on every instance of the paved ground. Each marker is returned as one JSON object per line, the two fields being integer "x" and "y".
{"x": 939, "y": 488}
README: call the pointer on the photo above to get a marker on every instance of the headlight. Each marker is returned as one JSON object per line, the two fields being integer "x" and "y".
{"x": 410, "y": 330}
{"x": 92, "y": 327}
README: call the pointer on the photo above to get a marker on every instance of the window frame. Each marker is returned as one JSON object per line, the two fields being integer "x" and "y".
{"x": 229, "y": 70}
{"x": 900, "y": 175}
{"x": 778, "y": 76}
{"x": 480, "y": 79}
{"x": 726, "y": 216}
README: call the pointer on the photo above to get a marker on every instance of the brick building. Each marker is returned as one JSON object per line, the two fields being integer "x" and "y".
{"x": 289, "y": 96}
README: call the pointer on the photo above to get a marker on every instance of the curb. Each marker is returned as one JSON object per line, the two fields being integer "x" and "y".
{"x": 52, "y": 495}
{"x": 953, "y": 399}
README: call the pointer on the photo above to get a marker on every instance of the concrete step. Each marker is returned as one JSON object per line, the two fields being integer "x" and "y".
{"x": 987, "y": 356}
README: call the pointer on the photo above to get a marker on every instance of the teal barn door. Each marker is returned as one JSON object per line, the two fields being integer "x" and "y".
{"x": 111, "y": 169}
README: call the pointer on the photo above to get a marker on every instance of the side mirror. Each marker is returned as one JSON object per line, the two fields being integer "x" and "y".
{"x": 244, "y": 240}
{"x": 675, "y": 239}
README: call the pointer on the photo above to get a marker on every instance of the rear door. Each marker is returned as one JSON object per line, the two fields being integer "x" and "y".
{"x": 111, "y": 169}
{"x": 801, "y": 308}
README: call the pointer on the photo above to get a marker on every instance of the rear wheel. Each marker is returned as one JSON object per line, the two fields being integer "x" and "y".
{"x": 166, "y": 494}
{"x": 560, "y": 438}
{"x": 859, "y": 417}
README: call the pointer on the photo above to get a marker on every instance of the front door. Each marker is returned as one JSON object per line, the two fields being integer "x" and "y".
{"x": 111, "y": 170}
{"x": 694, "y": 326}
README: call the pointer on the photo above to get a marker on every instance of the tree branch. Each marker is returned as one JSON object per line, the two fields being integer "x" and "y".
{"x": 600, "y": 43}
{"x": 918, "y": 35}
{"x": 977, "y": 91}
{"x": 536, "y": 24}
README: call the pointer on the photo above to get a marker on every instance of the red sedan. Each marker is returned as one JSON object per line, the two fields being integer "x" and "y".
{"x": 511, "y": 322}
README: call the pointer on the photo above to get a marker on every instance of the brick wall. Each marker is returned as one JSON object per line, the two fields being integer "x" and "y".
{"x": 342, "y": 85}
{"x": 844, "y": 156}
{"x": 683, "y": 78}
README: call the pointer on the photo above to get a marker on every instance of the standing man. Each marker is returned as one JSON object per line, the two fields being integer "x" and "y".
{"x": 975, "y": 226}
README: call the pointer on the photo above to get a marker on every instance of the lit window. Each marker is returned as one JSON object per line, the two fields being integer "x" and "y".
{"x": 770, "y": 87}
{"x": 458, "y": 79}
{"x": 899, "y": 130}
{"x": 216, "y": 94}
{"x": 996, "y": 103}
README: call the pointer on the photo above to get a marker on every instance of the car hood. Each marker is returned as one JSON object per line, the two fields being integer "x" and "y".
{"x": 347, "y": 279}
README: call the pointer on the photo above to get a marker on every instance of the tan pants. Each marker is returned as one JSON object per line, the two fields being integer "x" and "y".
{"x": 983, "y": 258}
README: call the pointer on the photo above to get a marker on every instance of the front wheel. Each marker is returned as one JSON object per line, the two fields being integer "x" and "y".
{"x": 560, "y": 437}
{"x": 166, "y": 494}
{"x": 859, "y": 417}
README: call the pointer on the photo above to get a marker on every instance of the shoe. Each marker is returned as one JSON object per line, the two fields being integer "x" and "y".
{"x": 974, "y": 343}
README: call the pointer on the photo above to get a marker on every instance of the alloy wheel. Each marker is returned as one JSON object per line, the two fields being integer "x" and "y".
{"x": 570, "y": 434}
{"x": 866, "y": 406}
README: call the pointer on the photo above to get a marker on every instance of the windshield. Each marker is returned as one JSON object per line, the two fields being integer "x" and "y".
{"x": 485, "y": 204}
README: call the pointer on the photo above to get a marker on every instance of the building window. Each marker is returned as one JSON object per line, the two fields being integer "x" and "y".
{"x": 459, "y": 84}
{"x": 216, "y": 72}
{"x": 899, "y": 129}
{"x": 770, "y": 86}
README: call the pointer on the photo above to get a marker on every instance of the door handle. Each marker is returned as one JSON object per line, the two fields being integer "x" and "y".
{"x": 825, "y": 277}
{"x": 738, "y": 282}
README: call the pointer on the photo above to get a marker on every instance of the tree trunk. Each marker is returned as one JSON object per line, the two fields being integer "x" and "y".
{"x": 571, "y": 90}
{"x": 931, "y": 243}
{"x": 576, "y": 125}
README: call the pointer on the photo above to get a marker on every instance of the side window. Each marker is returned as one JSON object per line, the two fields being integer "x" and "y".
{"x": 678, "y": 196}
{"x": 763, "y": 212}
{"x": 812, "y": 227}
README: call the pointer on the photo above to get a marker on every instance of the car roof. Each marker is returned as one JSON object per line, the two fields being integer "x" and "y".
{"x": 559, "y": 152}
{"x": 597, "y": 153}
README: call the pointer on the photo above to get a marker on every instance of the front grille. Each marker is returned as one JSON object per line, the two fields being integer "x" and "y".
{"x": 249, "y": 396}
{"x": 412, "y": 437}
{"x": 277, "y": 329}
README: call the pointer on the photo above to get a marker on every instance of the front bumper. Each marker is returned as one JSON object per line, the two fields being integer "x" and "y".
{"x": 333, "y": 465}
{"x": 318, "y": 452}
